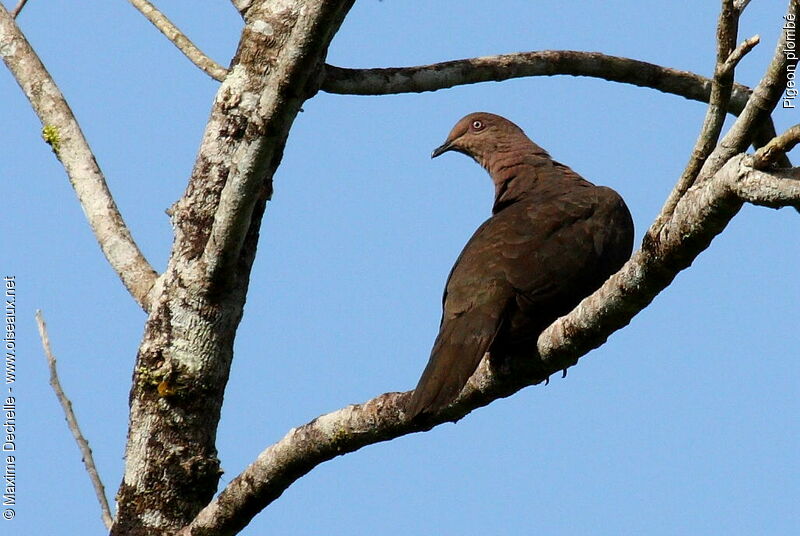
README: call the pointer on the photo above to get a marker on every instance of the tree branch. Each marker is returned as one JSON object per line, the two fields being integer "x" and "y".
{"x": 242, "y": 6}
{"x": 62, "y": 132}
{"x": 699, "y": 216}
{"x": 740, "y": 52}
{"x": 759, "y": 106}
{"x": 448, "y": 74}
{"x": 257, "y": 148}
{"x": 721, "y": 87}
{"x": 184, "y": 359}
{"x": 744, "y": 130}
{"x": 762, "y": 135}
{"x": 179, "y": 39}
{"x": 72, "y": 422}
{"x": 19, "y": 7}
{"x": 774, "y": 189}
{"x": 779, "y": 145}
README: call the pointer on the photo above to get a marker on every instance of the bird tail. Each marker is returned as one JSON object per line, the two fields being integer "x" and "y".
{"x": 456, "y": 354}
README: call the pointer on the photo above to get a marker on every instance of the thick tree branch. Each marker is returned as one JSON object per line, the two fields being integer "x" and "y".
{"x": 242, "y": 6}
{"x": 62, "y": 132}
{"x": 72, "y": 423}
{"x": 184, "y": 359}
{"x": 179, "y": 39}
{"x": 700, "y": 215}
{"x": 269, "y": 111}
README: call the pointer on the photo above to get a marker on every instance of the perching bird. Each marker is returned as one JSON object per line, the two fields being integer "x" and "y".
{"x": 553, "y": 239}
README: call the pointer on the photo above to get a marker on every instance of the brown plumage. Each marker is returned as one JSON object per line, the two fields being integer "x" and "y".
{"x": 552, "y": 240}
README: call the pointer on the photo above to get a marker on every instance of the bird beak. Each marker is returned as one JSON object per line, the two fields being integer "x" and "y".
{"x": 443, "y": 148}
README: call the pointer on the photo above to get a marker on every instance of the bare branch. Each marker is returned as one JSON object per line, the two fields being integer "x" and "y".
{"x": 72, "y": 422}
{"x": 721, "y": 87}
{"x": 444, "y": 75}
{"x": 740, "y": 52}
{"x": 699, "y": 216}
{"x": 759, "y": 106}
{"x": 62, "y": 132}
{"x": 762, "y": 135}
{"x": 448, "y": 74}
{"x": 779, "y": 145}
{"x": 747, "y": 128}
{"x": 740, "y": 5}
{"x": 19, "y": 7}
{"x": 187, "y": 346}
{"x": 179, "y": 39}
{"x": 247, "y": 169}
{"x": 769, "y": 188}
{"x": 242, "y": 6}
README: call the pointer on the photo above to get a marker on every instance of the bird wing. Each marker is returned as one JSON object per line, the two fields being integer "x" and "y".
{"x": 563, "y": 248}
{"x": 527, "y": 265}
{"x": 476, "y": 296}
{"x": 468, "y": 328}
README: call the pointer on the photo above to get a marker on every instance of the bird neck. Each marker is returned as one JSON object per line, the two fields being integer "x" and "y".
{"x": 516, "y": 171}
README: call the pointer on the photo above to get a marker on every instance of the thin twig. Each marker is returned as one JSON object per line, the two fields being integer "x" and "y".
{"x": 72, "y": 422}
{"x": 721, "y": 87}
{"x": 179, "y": 39}
{"x": 19, "y": 7}
{"x": 736, "y": 56}
{"x": 779, "y": 145}
{"x": 62, "y": 132}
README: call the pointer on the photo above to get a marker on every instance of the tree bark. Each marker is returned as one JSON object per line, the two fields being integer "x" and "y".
{"x": 183, "y": 363}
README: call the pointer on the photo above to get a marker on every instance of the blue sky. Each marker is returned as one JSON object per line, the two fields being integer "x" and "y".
{"x": 685, "y": 422}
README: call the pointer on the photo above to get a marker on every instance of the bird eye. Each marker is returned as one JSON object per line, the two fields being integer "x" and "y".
{"x": 477, "y": 125}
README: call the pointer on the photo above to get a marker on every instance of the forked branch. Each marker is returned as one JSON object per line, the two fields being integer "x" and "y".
{"x": 762, "y": 102}
{"x": 721, "y": 87}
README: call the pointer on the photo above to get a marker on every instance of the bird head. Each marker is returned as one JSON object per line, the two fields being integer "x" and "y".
{"x": 481, "y": 134}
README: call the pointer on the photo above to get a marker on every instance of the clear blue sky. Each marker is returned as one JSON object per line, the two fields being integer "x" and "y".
{"x": 685, "y": 422}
